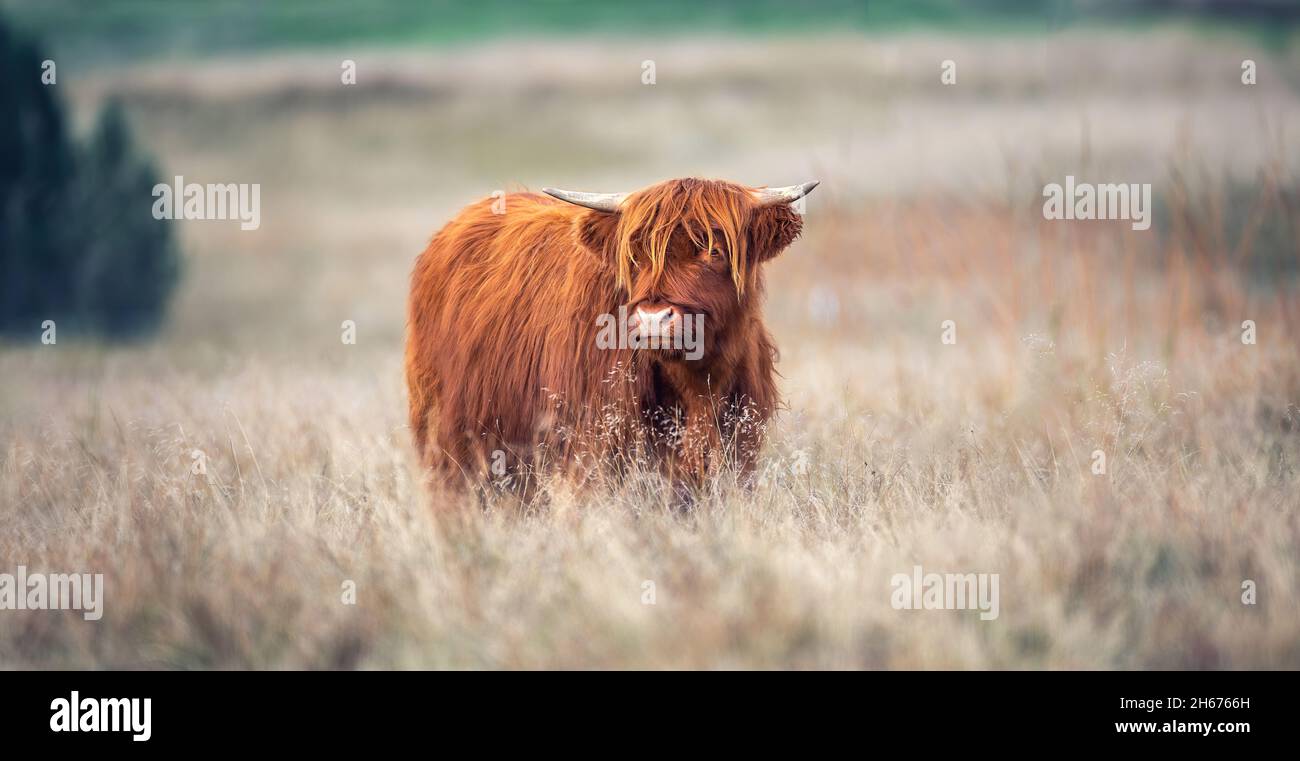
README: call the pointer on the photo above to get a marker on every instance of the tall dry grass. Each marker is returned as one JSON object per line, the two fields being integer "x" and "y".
{"x": 970, "y": 458}
{"x": 974, "y": 457}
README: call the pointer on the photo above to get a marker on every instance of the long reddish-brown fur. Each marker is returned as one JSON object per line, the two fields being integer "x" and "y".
{"x": 502, "y": 361}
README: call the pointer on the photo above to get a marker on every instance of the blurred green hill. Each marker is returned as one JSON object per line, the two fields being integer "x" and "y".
{"x": 148, "y": 28}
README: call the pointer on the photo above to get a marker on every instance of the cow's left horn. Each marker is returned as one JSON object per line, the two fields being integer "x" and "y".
{"x": 597, "y": 201}
{"x": 790, "y": 194}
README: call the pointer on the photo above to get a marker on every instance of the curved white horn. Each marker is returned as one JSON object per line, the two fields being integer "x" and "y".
{"x": 789, "y": 194}
{"x": 597, "y": 201}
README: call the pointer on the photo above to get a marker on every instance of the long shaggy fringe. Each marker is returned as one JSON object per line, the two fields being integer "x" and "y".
{"x": 705, "y": 209}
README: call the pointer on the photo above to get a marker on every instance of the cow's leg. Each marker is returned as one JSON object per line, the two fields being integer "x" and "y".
{"x": 699, "y": 447}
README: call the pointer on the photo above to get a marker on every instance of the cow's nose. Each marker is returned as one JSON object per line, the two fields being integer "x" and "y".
{"x": 655, "y": 315}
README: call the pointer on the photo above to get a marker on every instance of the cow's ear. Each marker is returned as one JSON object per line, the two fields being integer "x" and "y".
{"x": 597, "y": 232}
{"x": 771, "y": 229}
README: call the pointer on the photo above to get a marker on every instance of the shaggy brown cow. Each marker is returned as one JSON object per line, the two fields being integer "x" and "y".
{"x": 513, "y": 358}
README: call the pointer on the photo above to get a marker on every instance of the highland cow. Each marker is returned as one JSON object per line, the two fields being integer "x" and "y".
{"x": 506, "y": 368}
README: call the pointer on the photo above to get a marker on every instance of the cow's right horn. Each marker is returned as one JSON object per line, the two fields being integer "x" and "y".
{"x": 597, "y": 201}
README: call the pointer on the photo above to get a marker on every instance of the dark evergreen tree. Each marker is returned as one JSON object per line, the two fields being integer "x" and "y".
{"x": 78, "y": 244}
{"x": 128, "y": 266}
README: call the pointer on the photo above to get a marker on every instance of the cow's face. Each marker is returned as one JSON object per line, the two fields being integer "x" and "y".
{"x": 692, "y": 291}
{"x": 688, "y": 256}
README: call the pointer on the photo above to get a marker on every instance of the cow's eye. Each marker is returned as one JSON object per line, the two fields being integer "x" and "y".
{"x": 717, "y": 253}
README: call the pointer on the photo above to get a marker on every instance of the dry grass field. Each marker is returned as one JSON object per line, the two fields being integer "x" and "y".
{"x": 896, "y": 449}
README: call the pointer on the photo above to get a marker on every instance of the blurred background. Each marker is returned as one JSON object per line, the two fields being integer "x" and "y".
{"x": 453, "y": 101}
{"x": 1072, "y": 337}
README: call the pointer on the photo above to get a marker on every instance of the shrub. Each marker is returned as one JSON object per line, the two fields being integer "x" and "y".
{"x": 78, "y": 243}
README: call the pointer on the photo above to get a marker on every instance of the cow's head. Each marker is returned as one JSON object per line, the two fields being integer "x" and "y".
{"x": 685, "y": 248}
